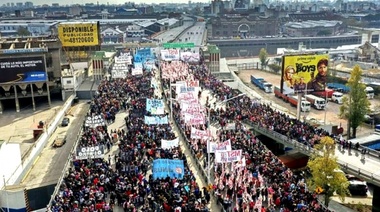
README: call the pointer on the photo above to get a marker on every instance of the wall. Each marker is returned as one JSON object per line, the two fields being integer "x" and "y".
{"x": 10, "y": 161}
{"x": 40, "y": 144}
{"x": 14, "y": 198}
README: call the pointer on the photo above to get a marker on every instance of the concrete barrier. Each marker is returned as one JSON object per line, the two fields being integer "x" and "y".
{"x": 41, "y": 142}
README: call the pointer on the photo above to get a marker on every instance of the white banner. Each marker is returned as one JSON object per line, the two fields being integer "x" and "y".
{"x": 190, "y": 97}
{"x": 168, "y": 144}
{"x": 117, "y": 74}
{"x": 191, "y": 108}
{"x": 226, "y": 157}
{"x": 190, "y": 57}
{"x": 200, "y": 134}
{"x": 230, "y": 126}
{"x": 170, "y": 54}
{"x": 194, "y": 119}
{"x": 224, "y": 146}
{"x": 137, "y": 71}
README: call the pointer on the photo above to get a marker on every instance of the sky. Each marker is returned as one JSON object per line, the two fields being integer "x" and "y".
{"x": 49, "y": 2}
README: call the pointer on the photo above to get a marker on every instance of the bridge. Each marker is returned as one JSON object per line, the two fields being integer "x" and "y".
{"x": 350, "y": 161}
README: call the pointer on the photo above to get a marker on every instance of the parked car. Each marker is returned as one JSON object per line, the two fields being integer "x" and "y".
{"x": 59, "y": 141}
{"x": 65, "y": 122}
{"x": 357, "y": 186}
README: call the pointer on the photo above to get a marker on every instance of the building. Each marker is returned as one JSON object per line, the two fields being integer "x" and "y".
{"x": 112, "y": 35}
{"x": 9, "y": 28}
{"x": 40, "y": 59}
{"x": 314, "y": 28}
{"x": 242, "y": 27}
{"x": 369, "y": 53}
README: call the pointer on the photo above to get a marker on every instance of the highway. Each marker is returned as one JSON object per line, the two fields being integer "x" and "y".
{"x": 195, "y": 34}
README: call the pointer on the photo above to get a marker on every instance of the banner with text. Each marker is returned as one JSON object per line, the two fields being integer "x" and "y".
{"x": 200, "y": 134}
{"x": 150, "y": 120}
{"x": 221, "y": 146}
{"x": 170, "y": 54}
{"x": 191, "y": 108}
{"x": 155, "y": 106}
{"x": 163, "y": 168}
{"x": 168, "y": 144}
{"x": 227, "y": 157}
{"x": 194, "y": 119}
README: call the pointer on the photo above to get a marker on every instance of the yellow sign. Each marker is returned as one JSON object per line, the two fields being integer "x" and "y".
{"x": 304, "y": 72}
{"x": 79, "y": 34}
{"x": 318, "y": 190}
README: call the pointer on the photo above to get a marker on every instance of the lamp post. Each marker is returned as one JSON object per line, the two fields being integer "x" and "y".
{"x": 208, "y": 140}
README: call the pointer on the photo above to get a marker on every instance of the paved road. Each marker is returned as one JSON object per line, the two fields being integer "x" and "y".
{"x": 194, "y": 34}
{"x": 47, "y": 168}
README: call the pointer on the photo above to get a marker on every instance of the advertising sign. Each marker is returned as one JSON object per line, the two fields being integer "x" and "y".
{"x": 79, "y": 34}
{"x": 163, "y": 168}
{"x": 304, "y": 72}
{"x": 22, "y": 69}
{"x": 93, "y": 152}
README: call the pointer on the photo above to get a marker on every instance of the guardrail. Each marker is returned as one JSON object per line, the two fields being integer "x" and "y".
{"x": 20, "y": 171}
{"x": 65, "y": 169}
{"x": 368, "y": 176}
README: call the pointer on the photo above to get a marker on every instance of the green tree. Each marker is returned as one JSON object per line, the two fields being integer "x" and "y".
{"x": 356, "y": 105}
{"x": 23, "y": 31}
{"x": 276, "y": 68}
{"x": 325, "y": 171}
{"x": 263, "y": 56}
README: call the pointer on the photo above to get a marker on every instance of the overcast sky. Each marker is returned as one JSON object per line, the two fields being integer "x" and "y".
{"x": 49, "y": 2}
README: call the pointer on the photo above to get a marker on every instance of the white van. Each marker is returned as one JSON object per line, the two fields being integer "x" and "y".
{"x": 337, "y": 97}
{"x": 370, "y": 92}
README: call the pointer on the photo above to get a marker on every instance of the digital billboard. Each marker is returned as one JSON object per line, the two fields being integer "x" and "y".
{"x": 79, "y": 34}
{"x": 22, "y": 69}
{"x": 304, "y": 72}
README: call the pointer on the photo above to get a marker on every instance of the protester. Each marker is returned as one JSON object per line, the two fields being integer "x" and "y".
{"x": 264, "y": 182}
{"x": 100, "y": 184}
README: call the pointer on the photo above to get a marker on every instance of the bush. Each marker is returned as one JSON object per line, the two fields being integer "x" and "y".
{"x": 274, "y": 67}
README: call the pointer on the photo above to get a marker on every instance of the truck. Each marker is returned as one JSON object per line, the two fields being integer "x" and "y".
{"x": 317, "y": 102}
{"x": 337, "y": 97}
{"x": 327, "y": 93}
{"x": 278, "y": 94}
{"x": 370, "y": 92}
{"x": 305, "y": 105}
{"x": 262, "y": 84}
{"x": 338, "y": 87}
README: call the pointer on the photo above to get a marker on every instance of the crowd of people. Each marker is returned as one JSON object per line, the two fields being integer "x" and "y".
{"x": 125, "y": 179}
{"x": 264, "y": 183}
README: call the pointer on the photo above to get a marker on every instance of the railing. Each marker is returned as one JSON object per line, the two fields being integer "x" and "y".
{"x": 65, "y": 169}
{"x": 366, "y": 175}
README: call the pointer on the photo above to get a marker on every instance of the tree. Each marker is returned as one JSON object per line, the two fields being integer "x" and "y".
{"x": 325, "y": 170}
{"x": 263, "y": 55}
{"x": 356, "y": 105}
{"x": 23, "y": 31}
{"x": 276, "y": 68}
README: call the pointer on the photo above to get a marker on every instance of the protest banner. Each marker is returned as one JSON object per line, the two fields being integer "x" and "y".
{"x": 163, "y": 168}
{"x": 151, "y": 120}
{"x": 168, "y": 144}
{"x": 170, "y": 54}
{"x": 230, "y": 126}
{"x": 85, "y": 153}
{"x": 200, "y": 134}
{"x": 155, "y": 106}
{"x": 94, "y": 121}
{"x": 227, "y": 157}
{"x": 224, "y": 146}
{"x": 137, "y": 71}
{"x": 194, "y": 119}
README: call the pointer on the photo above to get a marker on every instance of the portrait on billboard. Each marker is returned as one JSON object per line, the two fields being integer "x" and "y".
{"x": 304, "y": 73}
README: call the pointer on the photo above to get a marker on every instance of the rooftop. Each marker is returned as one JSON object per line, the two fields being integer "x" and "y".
{"x": 312, "y": 24}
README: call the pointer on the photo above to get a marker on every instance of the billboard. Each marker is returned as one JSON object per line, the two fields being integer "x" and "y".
{"x": 79, "y": 34}
{"x": 304, "y": 72}
{"x": 22, "y": 69}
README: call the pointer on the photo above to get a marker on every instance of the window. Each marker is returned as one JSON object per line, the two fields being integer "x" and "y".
{"x": 68, "y": 82}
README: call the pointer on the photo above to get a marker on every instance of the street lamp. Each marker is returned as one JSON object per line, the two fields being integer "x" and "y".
{"x": 208, "y": 139}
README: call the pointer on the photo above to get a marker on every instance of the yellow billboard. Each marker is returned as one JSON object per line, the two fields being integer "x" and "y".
{"x": 304, "y": 72}
{"x": 79, "y": 34}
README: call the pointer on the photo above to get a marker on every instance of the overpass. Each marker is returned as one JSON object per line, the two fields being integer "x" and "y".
{"x": 251, "y": 47}
{"x": 350, "y": 161}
